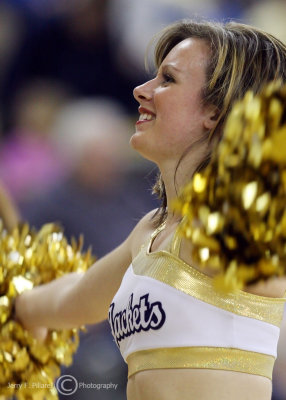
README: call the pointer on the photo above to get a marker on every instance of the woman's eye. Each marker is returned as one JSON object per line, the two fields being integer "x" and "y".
{"x": 167, "y": 79}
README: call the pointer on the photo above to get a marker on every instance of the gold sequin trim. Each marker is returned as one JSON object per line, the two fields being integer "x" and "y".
{"x": 167, "y": 268}
{"x": 218, "y": 358}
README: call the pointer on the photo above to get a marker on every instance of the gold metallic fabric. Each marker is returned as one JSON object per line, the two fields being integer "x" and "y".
{"x": 217, "y": 358}
{"x": 171, "y": 270}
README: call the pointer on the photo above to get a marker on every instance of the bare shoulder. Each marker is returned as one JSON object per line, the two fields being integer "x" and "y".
{"x": 274, "y": 287}
{"x": 142, "y": 232}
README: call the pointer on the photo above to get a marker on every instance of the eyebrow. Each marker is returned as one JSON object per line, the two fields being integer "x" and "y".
{"x": 170, "y": 66}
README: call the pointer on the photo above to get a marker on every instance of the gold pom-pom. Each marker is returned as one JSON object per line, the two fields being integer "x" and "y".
{"x": 28, "y": 258}
{"x": 234, "y": 211}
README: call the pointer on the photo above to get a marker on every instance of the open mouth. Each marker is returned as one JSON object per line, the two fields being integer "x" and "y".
{"x": 146, "y": 117}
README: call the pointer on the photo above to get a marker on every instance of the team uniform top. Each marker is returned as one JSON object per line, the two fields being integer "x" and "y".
{"x": 166, "y": 314}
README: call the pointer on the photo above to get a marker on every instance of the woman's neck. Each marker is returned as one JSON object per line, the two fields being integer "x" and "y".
{"x": 174, "y": 181}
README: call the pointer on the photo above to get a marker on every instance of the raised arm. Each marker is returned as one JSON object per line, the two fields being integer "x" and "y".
{"x": 77, "y": 299}
{"x": 8, "y": 210}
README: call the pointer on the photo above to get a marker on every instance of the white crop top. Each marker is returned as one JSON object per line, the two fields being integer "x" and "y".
{"x": 166, "y": 314}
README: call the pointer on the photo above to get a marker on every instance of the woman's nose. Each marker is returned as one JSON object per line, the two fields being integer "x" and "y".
{"x": 143, "y": 92}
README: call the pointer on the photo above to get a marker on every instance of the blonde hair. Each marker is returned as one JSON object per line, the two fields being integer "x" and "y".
{"x": 242, "y": 57}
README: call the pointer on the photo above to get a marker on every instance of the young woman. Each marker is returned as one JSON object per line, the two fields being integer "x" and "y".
{"x": 180, "y": 338}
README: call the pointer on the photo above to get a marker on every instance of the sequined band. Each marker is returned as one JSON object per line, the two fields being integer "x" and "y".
{"x": 167, "y": 268}
{"x": 218, "y": 358}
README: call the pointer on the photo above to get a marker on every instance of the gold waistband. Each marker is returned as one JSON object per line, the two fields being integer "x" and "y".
{"x": 217, "y": 358}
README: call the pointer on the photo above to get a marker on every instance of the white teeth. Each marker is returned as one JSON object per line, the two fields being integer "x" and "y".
{"x": 145, "y": 117}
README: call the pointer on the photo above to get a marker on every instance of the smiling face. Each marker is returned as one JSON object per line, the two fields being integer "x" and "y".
{"x": 171, "y": 113}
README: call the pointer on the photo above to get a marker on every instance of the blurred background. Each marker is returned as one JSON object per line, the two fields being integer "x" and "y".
{"x": 67, "y": 71}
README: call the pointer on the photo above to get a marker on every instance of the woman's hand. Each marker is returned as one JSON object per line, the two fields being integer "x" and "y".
{"x": 38, "y": 332}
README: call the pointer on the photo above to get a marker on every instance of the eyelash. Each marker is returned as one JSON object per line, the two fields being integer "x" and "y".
{"x": 167, "y": 78}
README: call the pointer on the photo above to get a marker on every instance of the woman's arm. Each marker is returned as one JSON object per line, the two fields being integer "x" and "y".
{"x": 8, "y": 210}
{"x": 273, "y": 287}
{"x": 77, "y": 299}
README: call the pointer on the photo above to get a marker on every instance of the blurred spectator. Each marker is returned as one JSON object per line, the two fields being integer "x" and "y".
{"x": 11, "y": 28}
{"x": 234, "y": 9}
{"x": 72, "y": 49}
{"x": 102, "y": 198}
{"x": 48, "y": 8}
{"x": 29, "y": 164}
{"x": 103, "y": 195}
{"x": 268, "y": 15}
{"x": 133, "y": 24}
{"x": 91, "y": 135}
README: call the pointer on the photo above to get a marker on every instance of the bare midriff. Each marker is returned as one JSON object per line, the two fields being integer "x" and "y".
{"x": 197, "y": 384}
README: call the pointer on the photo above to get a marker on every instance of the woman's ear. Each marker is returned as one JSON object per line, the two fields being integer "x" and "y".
{"x": 211, "y": 117}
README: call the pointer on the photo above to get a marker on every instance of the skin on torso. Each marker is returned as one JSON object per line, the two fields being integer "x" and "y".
{"x": 199, "y": 384}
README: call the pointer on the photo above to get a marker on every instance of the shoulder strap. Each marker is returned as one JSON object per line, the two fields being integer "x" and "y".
{"x": 154, "y": 234}
{"x": 176, "y": 242}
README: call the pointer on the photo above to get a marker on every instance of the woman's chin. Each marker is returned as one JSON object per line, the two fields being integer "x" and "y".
{"x": 139, "y": 144}
{"x": 136, "y": 141}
